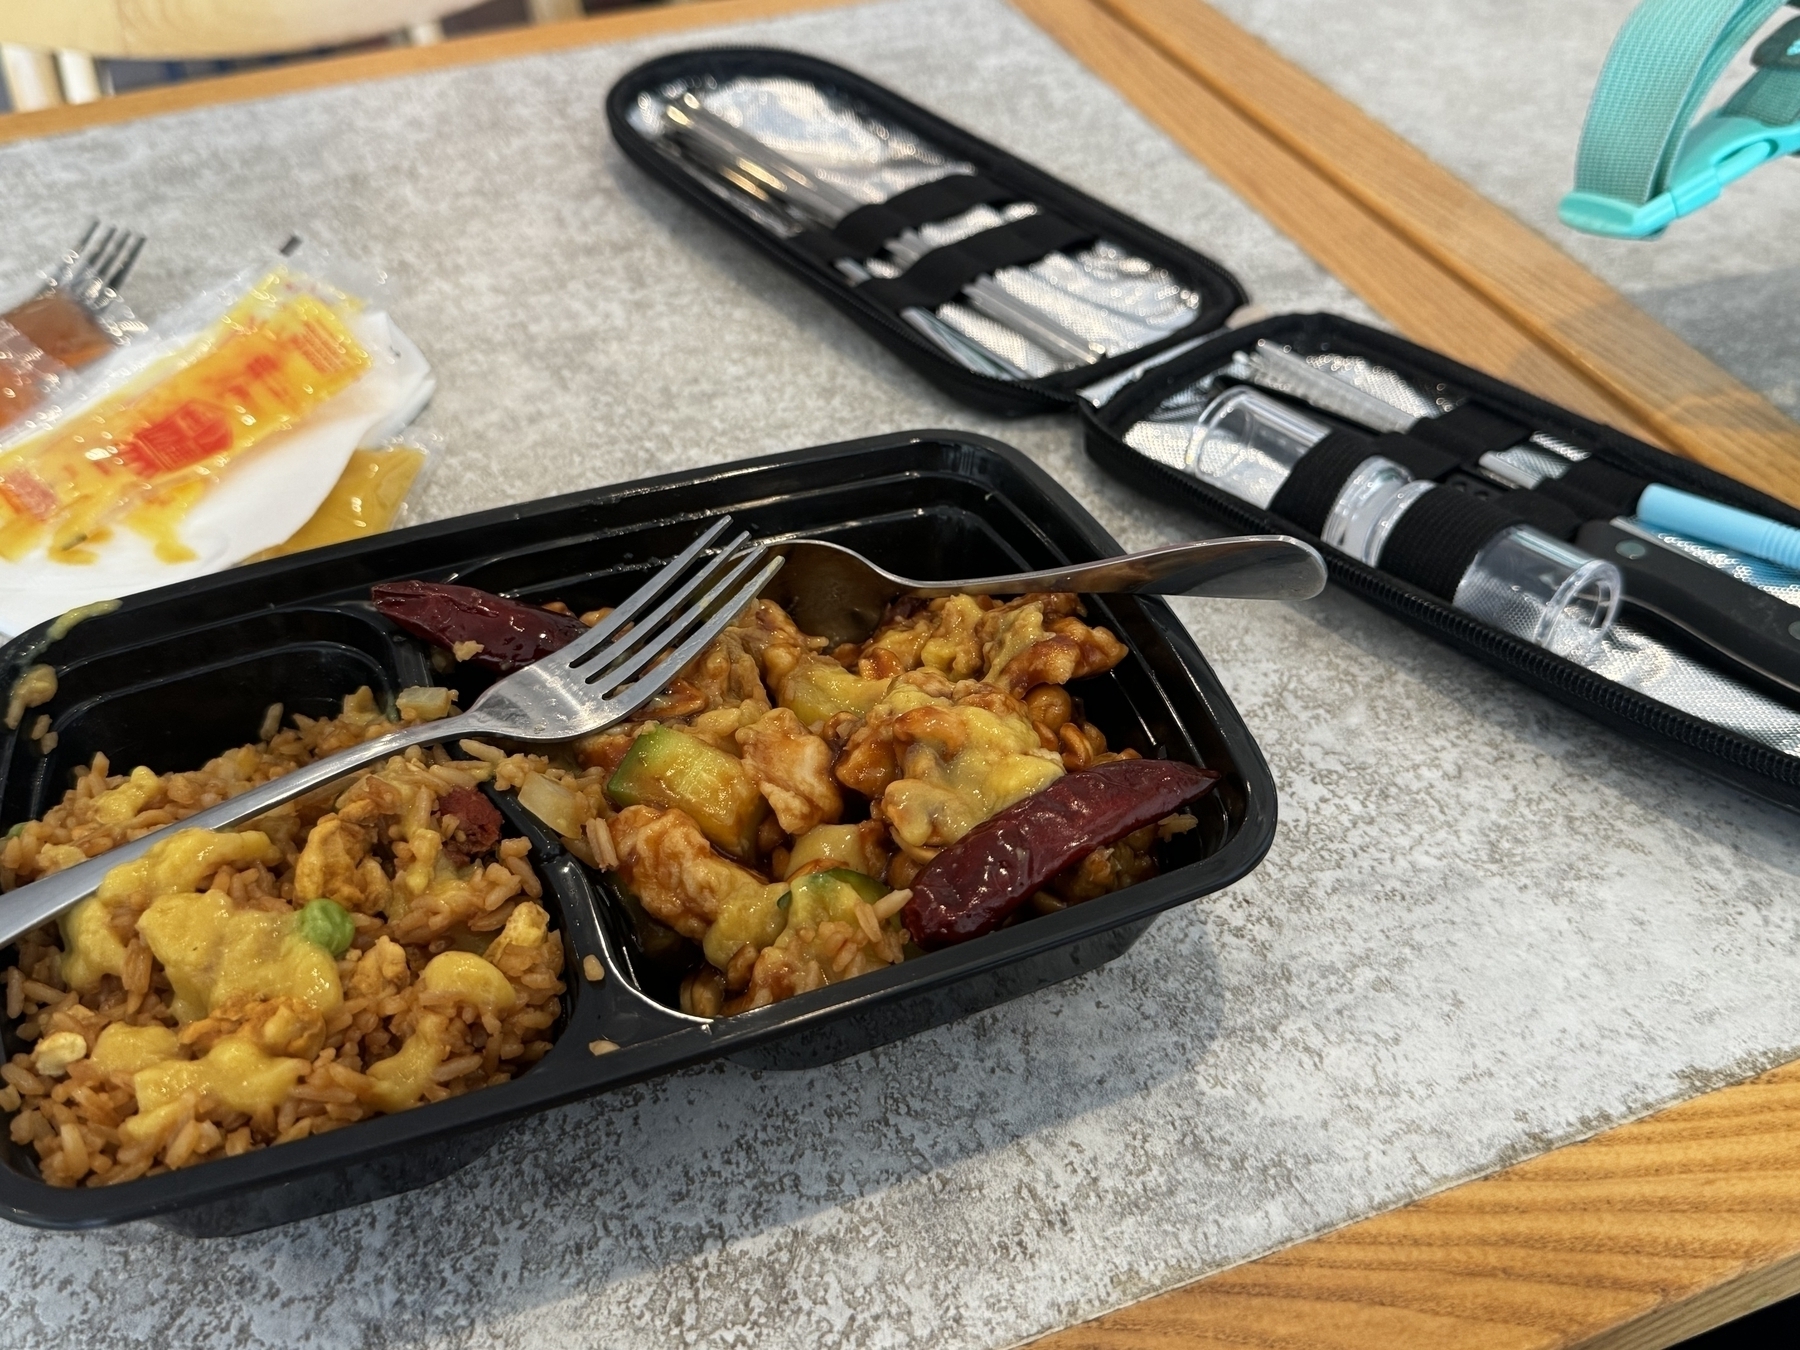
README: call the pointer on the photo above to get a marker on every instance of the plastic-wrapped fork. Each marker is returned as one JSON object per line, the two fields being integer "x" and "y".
{"x": 600, "y": 679}
{"x": 92, "y": 272}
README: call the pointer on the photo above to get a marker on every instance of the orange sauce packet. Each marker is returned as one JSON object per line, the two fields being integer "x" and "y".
{"x": 147, "y": 451}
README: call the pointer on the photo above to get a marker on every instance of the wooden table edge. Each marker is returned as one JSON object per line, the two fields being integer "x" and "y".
{"x": 1638, "y": 1237}
{"x": 358, "y": 67}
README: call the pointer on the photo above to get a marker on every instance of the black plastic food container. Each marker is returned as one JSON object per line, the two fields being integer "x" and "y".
{"x": 179, "y": 674}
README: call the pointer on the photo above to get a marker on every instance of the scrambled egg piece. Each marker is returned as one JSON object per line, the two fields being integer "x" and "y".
{"x": 330, "y": 866}
{"x": 91, "y": 946}
{"x": 401, "y": 1079}
{"x": 185, "y": 859}
{"x": 471, "y": 978}
{"x": 213, "y": 953}
{"x": 118, "y": 805}
{"x": 126, "y": 1049}
{"x": 236, "y": 1071}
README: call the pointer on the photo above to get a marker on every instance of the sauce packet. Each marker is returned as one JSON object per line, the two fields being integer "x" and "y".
{"x": 216, "y": 440}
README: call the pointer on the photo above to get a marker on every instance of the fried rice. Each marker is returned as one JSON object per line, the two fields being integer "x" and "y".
{"x": 189, "y": 1011}
{"x": 126, "y": 1076}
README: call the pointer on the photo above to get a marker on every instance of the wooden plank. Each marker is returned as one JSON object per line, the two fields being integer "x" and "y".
{"x": 1422, "y": 297}
{"x": 1633, "y": 1240}
{"x": 618, "y": 26}
{"x": 176, "y": 29}
{"x": 1694, "y": 407}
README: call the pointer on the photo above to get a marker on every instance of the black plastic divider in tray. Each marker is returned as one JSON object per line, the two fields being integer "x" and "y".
{"x": 177, "y": 675}
{"x": 1725, "y": 754}
{"x": 1067, "y": 215}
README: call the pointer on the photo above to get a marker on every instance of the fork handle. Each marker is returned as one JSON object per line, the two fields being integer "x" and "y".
{"x": 43, "y": 900}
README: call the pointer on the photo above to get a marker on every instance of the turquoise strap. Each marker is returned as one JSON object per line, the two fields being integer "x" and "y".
{"x": 1644, "y": 160}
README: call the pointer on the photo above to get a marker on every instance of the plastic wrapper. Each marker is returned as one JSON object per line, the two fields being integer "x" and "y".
{"x": 215, "y": 440}
{"x": 29, "y": 376}
{"x": 143, "y": 454}
{"x": 47, "y": 337}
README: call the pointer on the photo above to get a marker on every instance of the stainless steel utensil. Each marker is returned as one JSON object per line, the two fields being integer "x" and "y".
{"x": 764, "y": 172}
{"x": 836, "y": 593}
{"x": 599, "y": 679}
{"x": 92, "y": 272}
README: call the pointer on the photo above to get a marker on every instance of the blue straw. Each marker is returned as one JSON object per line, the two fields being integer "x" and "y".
{"x": 1666, "y": 508}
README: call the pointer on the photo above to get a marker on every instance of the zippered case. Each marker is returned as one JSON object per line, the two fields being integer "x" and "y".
{"x": 1749, "y": 764}
{"x": 1063, "y": 220}
{"x": 1138, "y": 380}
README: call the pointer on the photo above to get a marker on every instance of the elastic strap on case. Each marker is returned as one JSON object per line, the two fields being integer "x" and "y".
{"x": 1420, "y": 458}
{"x": 1439, "y": 536}
{"x": 1313, "y": 485}
{"x": 941, "y": 274}
{"x": 1469, "y": 432}
{"x": 862, "y": 233}
{"x": 1555, "y": 518}
{"x": 1596, "y": 491}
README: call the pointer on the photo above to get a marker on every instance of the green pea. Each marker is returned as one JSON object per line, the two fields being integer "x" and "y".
{"x": 17, "y": 830}
{"x": 327, "y": 923}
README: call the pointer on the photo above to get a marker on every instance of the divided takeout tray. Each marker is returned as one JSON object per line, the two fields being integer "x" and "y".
{"x": 177, "y": 675}
{"x": 1110, "y": 396}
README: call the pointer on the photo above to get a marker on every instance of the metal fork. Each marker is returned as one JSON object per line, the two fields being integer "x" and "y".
{"x": 601, "y": 678}
{"x": 94, "y": 269}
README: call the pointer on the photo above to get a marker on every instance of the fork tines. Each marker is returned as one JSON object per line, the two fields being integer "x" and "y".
{"x": 95, "y": 268}
{"x": 670, "y": 619}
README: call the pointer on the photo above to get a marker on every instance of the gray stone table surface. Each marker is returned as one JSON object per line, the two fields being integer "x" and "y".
{"x": 1486, "y": 926}
{"x": 1495, "y": 90}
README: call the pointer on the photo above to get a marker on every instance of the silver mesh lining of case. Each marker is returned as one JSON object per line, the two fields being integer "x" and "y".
{"x": 1164, "y": 433}
{"x": 848, "y": 151}
{"x": 1765, "y": 576}
{"x": 1104, "y": 294}
{"x": 1638, "y": 661}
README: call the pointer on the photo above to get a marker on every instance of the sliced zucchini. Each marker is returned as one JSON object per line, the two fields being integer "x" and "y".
{"x": 819, "y": 687}
{"x": 667, "y": 768}
{"x": 819, "y": 896}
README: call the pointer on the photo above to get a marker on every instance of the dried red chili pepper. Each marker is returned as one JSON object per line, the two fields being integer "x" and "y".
{"x": 512, "y": 635}
{"x": 975, "y": 884}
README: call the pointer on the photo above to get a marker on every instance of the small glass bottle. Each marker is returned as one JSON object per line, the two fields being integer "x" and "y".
{"x": 1542, "y": 590}
{"x": 1358, "y": 510}
{"x": 1521, "y": 580}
